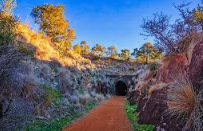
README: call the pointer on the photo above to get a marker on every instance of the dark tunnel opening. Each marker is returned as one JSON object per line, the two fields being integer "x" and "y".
{"x": 121, "y": 88}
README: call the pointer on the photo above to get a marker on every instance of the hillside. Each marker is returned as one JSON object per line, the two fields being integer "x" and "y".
{"x": 47, "y": 85}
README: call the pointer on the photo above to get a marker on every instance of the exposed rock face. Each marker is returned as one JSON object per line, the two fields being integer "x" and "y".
{"x": 152, "y": 105}
{"x": 152, "y": 110}
{"x": 134, "y": 97}
{"x": 196, "y": 65}
{"x": 172, "y": 67}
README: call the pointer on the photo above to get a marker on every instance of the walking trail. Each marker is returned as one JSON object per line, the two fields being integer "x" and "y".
{"x": 109, "y": 116}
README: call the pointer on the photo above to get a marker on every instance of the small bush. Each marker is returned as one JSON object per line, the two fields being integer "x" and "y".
{"x": 7, "y": 29}
{"x": 41, "y": 125}
{"x": 25, "y": 51}
{"x": 181, "y": 101}
{"x": 54, "y": 94}
{"x": 130, "y": 111}
{"x": 153, "y": 66}
{"x": 90, "y": 105}
{"x": 51, "y": 95}
{"x": 184, "y": 104}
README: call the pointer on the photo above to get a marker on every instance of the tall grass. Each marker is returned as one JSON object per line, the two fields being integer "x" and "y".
{"x": 184, "y": 104}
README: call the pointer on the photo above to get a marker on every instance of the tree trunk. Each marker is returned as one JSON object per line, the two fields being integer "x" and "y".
{"x": 147, "y": 59}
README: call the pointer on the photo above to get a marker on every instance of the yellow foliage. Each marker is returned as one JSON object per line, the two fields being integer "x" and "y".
{"x": 198, "y": 15}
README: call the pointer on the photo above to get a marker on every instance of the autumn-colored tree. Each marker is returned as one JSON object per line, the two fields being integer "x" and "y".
{"x": 112, "y": 52}
{"x": 7, "y": 6}
{"x": 148, "y": 53}
{"x": 125, "y": 54}
{"x": 198, "y": 15}
{"x": 53, "y": 24}
{"x": 77, "y": 48}
{"x": 98, "y": 50}
{"x": 84, "y": 47}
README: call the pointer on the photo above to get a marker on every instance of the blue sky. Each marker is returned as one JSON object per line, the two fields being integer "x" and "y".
{"x": 109, "y": 22}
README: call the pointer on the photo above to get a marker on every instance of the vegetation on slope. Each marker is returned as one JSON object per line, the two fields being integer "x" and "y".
{"x": 131, "y": 113}
{"x": 58, "y": 124}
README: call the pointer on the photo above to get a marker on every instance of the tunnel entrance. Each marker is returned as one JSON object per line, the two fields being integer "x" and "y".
{"x": 121, "y": 88}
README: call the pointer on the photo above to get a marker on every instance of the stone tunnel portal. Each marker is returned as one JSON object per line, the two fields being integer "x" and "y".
{"x": 121, "y": 88}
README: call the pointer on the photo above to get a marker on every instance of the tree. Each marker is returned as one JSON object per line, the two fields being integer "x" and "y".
{"x": 198, "y": 15}
{"x": 159, "y": 28}
{"x": 84, "y": 48}
{"x": 98, "y": 50}
{"x": 134, "y": 52}
{"x": 125, "y": 54}
{"x": 112, "y": 52}
{"x": 7, "y": 6}
{"x": 77, "y": 48}
{"x": 174, "y": 37}
{"x": 53, "y": 24}
{"x": 148, "y": 52}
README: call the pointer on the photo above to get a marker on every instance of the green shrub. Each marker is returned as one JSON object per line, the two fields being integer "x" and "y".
{"x": 42, "y": 125}
{"x": 130, "y": 111}
{"x": 25, "y": 51}
{"x": 90, "y": 105}
{"x": 153, "y": 66}
{"x": 52, "y": 95}
{"x": 54, "y": 67}
{"x": 81, "y": 90}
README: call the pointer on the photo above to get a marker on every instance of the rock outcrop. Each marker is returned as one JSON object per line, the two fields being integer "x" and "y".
{"x": 171, "y": 67}
{"x": 196, "y": 65}
{"x": 153, "y": 110}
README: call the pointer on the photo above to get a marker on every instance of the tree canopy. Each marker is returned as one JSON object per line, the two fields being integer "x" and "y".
{"x": 112, "y": 52}
{"x": 7, "y": 6}
{"x": 174, "y": 37}
{"x": 84, "y": 48}
{"x": 98, "y": 50}
{"x": 125, "y": 54}
{"x": 52, "y": 23}
{"x": 148, "y": 53}
{"x": 77, "y": 48}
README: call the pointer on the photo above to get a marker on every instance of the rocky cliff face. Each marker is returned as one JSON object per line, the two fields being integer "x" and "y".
{"x": 152, "y": 90}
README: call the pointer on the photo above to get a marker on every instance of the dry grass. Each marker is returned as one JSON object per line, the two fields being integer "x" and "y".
{"x": 45, "y": 49}
{"x": 155, "y": 87}
{"x": 184, "y": 104}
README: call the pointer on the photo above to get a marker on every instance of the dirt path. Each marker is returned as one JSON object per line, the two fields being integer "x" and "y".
{"x": 109, "y": 116}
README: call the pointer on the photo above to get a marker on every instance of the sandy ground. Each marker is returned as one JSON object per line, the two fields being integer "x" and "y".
{"x": 109, "y": 116}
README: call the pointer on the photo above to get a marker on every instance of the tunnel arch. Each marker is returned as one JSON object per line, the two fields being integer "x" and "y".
{"x": 121, "y": 88}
